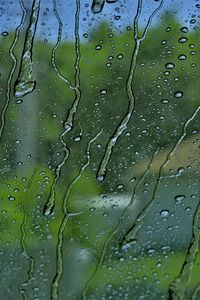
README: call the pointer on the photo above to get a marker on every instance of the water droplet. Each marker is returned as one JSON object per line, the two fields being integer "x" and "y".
{"x": 108, "y": 64}
{"x": 117, "y": 18}
{"x": 11, "y": 198}
{"x": 166, "y": 73}
{"x": 100, "y": 178}
{"x": 98, "y": 47}
{"x": 85, "y": 35}
{"x": 19, "y": 101}
{"x": 164, "y": 214}
{"x": 184, "y": 29}
{"x": 168, "y": 29}
{"x": 179, "y": 198}
{"x": 183, "y": 39}
{"x": 178, "y": 94}
{"x": 181, "y": 170}
{"x": 120, "y": 56}
{"x": 192, "y": 21}
{"x": 5, "y": 33}
{"x": 92, "y": 209}
{"x": 77, "y": 138}
{"x": 164, "y": 101}
{"x": 182, "y": 57}
{"x": 169, "y": 66}
{"x": 103, "y": 92}
{"x": 188, "y": 208}
{"x": 120, "y": 186}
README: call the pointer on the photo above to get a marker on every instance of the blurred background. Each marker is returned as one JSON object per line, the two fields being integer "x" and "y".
{"x": 128, "y": 232}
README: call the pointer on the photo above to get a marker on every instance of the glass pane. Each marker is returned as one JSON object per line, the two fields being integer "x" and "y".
{"x": 99, "y": 155}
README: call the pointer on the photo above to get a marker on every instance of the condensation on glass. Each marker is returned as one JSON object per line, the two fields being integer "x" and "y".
{"x": 99, "y": 149}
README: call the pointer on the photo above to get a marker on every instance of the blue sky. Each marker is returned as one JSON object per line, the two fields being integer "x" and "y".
{"x": 125, "y": 9}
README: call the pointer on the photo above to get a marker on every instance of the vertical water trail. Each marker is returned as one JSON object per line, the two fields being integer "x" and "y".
{"x": 59, "y": 37}
{"x": 66, "y": 217}
{"x": 22, "y": 286}
{"x": 178, "y": 288}
{"x": 130, "y": 234}
{"x": 117, "y": 229}
{"x": 25, "y": 82}
{"x": 130, "y": 94}
{"x": 31, "y": 179}
{"x": 69, "y": 122}
{"x": 10, "y": 77}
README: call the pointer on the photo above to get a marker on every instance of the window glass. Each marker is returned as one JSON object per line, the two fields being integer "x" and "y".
{"x": 99, "y": 149}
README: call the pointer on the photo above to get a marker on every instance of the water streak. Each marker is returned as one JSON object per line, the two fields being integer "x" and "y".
{"x": 118, "y": 227}
{"x": 10, "y": 77}
{"x": 135, "y": 227}
{"x": 66, "y": 217}
{"x": 195, "y": 293}
{"x": 25, "y": 82}
{"x": 69, "y": 122}
{"x": 178, "y": 288}
{"x": 22, "y": 286}
{"x": 130, "y": 94}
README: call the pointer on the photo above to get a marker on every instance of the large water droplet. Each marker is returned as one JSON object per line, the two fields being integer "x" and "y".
{"x": 179, "y": 198}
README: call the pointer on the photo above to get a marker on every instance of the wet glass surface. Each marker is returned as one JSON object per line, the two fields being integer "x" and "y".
{"x": 99, "y": 149}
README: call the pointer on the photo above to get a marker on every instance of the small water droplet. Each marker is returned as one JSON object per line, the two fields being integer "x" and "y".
{"x": 168, "y": 29}
{"x": 169, "y": 66}
{"x": 117, "y": 18}
{"x": 164, "y": 42}
{"x": 164, "y": 101}
{"x": 166, "y": 73}
{"x": 164, "y": 214}
{"x": 103, "y": 92}
{"x": 77, "y": 138}
{"x": 120, "y": 56}
{"x": 100, "y": 178}
{"x": 85, "y": 35}
{"x": 178, "y": 94}
{"x": 92, "y": 209}
{"x": 5, "y": 33}
{"x": 183, "y": 39}
{"x": 18, "y": 101}
{"x": 192, "y": 21}
{"x": 120, "y": 186}
{"x": 98, "y": 47}
{"x": 11, "y": 198}
{"x": 181, "y": 170}
{"x": 182, "y": 57}
{"x": 184, "y": 29}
